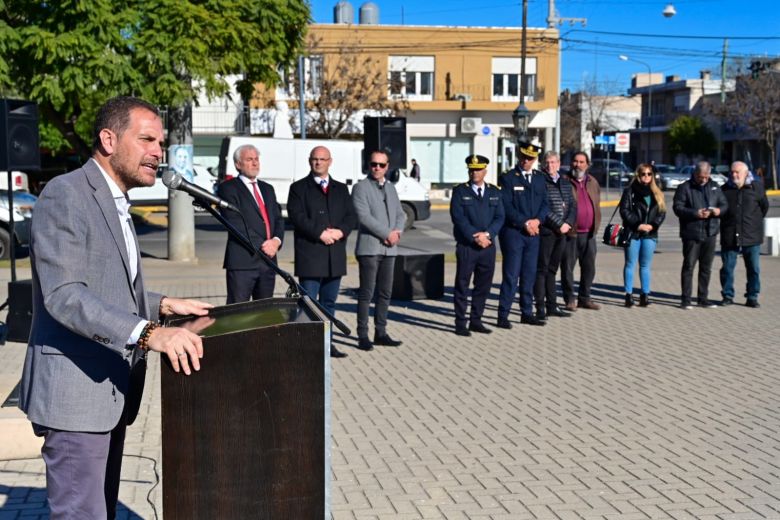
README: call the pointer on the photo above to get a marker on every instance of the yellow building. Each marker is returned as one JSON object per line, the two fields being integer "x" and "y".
{"x": 457, "y": 87}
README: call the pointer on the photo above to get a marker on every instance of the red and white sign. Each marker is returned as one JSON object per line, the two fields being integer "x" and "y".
{"x": 622, "y": 142}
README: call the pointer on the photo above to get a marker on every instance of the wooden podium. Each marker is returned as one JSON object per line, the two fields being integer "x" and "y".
{"x": 248, "y": 435}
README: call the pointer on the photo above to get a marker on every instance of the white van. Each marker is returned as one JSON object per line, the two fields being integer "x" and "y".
{"x": 284, "y": 161}
{"x": 19, "y": 181}
{"x": 157, "y": 195}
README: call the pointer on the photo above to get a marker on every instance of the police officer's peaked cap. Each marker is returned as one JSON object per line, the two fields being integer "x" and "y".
{"x": 529, "y": 149}
{"x": 477, "y": 162}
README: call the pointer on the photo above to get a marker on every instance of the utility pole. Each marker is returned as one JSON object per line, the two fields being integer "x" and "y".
{"x": 722, "y": 99}
{"x": 181, "y": 214}
{"x": 552, "y": 20}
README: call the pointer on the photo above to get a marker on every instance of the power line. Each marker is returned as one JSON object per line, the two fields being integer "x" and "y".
{"x": 677, "y": 36}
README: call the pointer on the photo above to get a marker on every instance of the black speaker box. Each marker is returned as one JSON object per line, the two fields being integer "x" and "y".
{"x": 387, "y": 134}
{"x": 19, "y": 319}
{"x": 418, "y": 276}
{"x": 19, "y": 135}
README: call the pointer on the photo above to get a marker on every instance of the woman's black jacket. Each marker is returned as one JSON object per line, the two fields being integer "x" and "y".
{"x": 634, "y": 210}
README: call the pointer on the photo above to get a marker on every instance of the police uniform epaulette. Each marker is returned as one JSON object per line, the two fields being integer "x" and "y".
{"x": 493, "y": 186}
{"x": 463, "y": 184}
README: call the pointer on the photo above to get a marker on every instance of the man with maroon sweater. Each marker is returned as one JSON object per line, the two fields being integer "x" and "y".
{"x": 581, "y": 239}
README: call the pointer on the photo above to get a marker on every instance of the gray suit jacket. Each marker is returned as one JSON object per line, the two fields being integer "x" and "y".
{"x": 85, "y": 306}
{"x": 379, "y": 211}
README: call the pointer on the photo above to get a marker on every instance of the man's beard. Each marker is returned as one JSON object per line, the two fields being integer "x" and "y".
{"x": 130, "y": 178}
{"x": 578, "y": 174}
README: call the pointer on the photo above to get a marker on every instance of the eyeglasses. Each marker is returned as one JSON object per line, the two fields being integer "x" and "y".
{"x": 319, "y": 159}
{"x": 378, "y": 164}
{"x": 645, "y": 174}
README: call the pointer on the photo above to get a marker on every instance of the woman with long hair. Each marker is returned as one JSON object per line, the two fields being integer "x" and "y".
{"x": 643, "y": 210}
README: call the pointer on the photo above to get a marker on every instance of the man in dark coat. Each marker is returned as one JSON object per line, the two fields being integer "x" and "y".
{"x": 248, "y": 275}
{"x": 698, "y": 204}
{"x": 321, "y": 211}
{"x": 561, "y": 217}
{"x": 742, "y": 231}
{"x": 477, "y": 214}
{"x": 524, "y": 193}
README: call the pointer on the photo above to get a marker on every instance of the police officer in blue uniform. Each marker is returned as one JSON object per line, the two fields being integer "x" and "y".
{"x": 477, "y": 214}
{"x": 524, "y": 194}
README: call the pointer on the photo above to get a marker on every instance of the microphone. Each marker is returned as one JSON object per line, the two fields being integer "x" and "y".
{"x": 174, "y": 181}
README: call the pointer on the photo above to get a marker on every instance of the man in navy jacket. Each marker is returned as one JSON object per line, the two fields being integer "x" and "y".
{"x": 524, "y": 193}
{"x": 477, "y": 216}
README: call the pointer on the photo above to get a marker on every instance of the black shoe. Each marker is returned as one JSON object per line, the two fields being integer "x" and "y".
{"x": 386, "y": 341}
{"x": 686, "y": 305}
{"x": 335, "y": 353}
{"x": 753, "y": 304}
{"x": 629, "y": 300}
{"x": 476, "y": 326}
{"x": 726, "y": 302}
{"x": 557, "y": 312}
{"x": 462, "y": 331}
{"x": 365, "y": 344}
{"x": 644, "y": 300}
{"x": 530, "y": 319}
{"x": 541, "y": 316}
{"x": 706, "y": 304}
{"x": 503, "y": 323}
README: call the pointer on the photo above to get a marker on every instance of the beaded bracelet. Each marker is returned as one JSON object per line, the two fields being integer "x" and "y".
{"x": 143, "y": 339}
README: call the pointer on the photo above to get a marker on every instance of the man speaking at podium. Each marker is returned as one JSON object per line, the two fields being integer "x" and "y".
{"x": 93, "y": 321}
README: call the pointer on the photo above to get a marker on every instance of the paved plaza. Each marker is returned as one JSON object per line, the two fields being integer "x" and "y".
{"x": 613, "y": 414}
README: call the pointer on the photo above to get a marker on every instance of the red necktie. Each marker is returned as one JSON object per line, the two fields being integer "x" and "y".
{"x": 324, "y": 185}
{"x": 263, "y": 212}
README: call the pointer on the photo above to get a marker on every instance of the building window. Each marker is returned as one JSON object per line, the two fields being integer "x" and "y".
{"x": 506, "y": 79}
{"x": 411, "y": 77}
{"x": 312, "y": 76}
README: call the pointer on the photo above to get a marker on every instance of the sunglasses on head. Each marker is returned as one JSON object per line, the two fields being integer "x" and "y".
{"x": 378, "y": 164}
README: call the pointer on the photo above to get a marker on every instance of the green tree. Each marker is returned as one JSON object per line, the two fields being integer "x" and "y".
{"x": 690, "y": 137}
{"x": 72, "y": 55}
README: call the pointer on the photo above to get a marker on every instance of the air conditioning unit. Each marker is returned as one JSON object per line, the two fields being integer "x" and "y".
{"x": 470, "y": 125}
{"x": 462, "y": 97}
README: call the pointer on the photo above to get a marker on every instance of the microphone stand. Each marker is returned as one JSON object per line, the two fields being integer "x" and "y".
{"x": 294, "y": 289}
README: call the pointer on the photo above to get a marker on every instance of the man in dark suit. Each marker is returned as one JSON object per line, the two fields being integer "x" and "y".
{"x": 93, "y": 321}
{"x": 524, "y": 193}
{"x": 320, "y": 209}
{"x": 477, "y": 216}
{"x": 249, "y": 276}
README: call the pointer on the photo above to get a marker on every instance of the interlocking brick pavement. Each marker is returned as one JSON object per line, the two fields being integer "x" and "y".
{"x": 620, "y": 413}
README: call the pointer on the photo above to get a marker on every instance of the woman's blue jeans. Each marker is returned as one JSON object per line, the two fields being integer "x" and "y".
{"x": 641, "y": 249}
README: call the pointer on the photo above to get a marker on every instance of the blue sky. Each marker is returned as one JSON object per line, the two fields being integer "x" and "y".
{"x": 590, "y": 53}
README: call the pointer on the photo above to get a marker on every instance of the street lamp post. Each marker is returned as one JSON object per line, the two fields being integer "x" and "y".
{"x": 521, "y": 115}
{"x": 623, "y": 57}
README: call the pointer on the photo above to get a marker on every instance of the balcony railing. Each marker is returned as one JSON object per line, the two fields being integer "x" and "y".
{"x": 480, "y": 92}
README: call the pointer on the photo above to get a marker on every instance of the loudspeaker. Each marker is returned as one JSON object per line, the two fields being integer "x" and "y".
{"x": 19, "y": 317}
{"x": 418, "y": 276}
{"x": 387, "y": 134}
{"x": 19, "y": 135}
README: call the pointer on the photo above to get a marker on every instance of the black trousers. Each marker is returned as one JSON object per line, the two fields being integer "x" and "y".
{"x": 550, "y": 253}
{"x": 472, "y": 260}
{"x": 701, "y": 251}
{"x": 246, "y": 284}
{"x": 582, "y": 249}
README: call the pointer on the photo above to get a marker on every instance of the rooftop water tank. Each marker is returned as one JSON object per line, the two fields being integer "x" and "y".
{"x": 369, "y": 14}
{"x": 343, "y": 12}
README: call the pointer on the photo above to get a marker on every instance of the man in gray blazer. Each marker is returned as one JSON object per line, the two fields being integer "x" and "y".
{"x": 93, "y": 321}
{"x": 381, "y": 221}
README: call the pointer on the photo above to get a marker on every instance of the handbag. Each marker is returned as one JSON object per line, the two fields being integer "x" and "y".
{"x": 616, "y": 235}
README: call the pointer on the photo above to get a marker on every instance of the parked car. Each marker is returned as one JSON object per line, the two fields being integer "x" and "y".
{"x": 157, "y": 195}
{"x": 21, "y": 230}
{"x": 619, "y": 173}
{"x": 719, "y": 178}
{"x": 23, "y": 202}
